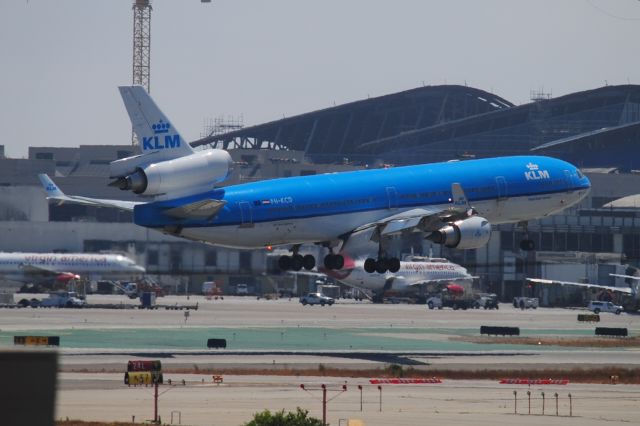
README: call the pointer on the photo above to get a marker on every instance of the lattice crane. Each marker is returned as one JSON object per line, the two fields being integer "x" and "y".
{"x": 142, "y": 46}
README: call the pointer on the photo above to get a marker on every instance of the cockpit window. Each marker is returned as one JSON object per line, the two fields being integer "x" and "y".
{"x": 580, "y": 175}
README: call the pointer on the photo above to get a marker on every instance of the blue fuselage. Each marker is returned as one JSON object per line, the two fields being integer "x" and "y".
{"x": 322, "y": 207}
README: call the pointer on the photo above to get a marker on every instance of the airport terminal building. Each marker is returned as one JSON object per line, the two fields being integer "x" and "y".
{"x": 598, "y": 130}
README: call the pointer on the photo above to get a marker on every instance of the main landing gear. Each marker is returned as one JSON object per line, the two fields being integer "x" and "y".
{"x": 297, "y": 262}
{"x": 382, "y": 265}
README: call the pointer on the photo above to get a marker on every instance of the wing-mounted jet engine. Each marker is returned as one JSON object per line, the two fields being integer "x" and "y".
{"x": 471, "y": 233}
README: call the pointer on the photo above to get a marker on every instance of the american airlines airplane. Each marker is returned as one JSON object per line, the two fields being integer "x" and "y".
{"x": 452, "y": 203}
{"x": 415, "y": 274}
{"x": 30, "y": 267}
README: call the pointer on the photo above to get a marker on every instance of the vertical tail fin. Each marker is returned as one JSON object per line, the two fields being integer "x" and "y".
{"x": 154, "y": 131}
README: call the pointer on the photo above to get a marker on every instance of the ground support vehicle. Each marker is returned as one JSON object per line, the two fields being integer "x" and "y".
{"x": 525, "y": 302}
{"x": 316, "y": 299}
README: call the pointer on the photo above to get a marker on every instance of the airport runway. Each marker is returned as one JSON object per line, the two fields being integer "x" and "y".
{"x": 462, "y": 402}
{"x": 276, "y": 334}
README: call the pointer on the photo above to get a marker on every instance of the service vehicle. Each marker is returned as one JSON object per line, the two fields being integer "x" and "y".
{"x": 454, "y": 303}
{"x": 525, "y": 302}
{"x": 316, "y": 299}
{"x": 60, "y": 299}
{"x": 486, "y": 301}
{"x": 597, "y": 306}
{"x": 434, "y": 302}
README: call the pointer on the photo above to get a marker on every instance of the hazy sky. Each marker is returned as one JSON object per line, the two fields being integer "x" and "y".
{"x": 62, "y": 60}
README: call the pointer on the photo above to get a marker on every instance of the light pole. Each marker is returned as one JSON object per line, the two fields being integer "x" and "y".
{"x": 323, "y": 387}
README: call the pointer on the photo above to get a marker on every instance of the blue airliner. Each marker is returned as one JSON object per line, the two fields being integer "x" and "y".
{"x": 451, "y": 203}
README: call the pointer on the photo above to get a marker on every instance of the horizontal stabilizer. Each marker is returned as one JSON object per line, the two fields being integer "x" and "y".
{"x": 54, "y": 193}
{"x": 202, "y": 209}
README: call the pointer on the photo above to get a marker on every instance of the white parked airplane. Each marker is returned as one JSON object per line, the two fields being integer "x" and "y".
{"x": 453, "y": 203}
{"x": 34, "y": 267}
{"x": 416, "y": 275}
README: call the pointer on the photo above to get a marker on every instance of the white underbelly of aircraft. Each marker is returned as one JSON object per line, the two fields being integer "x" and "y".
{"x": 330, "y": 227}
{"x": 291, "y": 231}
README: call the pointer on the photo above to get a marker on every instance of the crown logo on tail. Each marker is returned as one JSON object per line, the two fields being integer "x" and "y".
{"x": 161, "y": 127}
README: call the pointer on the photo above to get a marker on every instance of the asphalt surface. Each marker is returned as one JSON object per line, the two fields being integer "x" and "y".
{"x": 274, "y": 334}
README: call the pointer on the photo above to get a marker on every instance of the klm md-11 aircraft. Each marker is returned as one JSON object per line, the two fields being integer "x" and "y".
{"x": 452, "y": 203}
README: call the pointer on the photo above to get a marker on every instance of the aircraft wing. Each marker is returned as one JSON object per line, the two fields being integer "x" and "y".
{"x": 630, "y": 277}
{"x": 307, "y": 273}
{"x": 625, "y": 290}
{"x": 203, "y": 209}
{"x": 443, "y": 280}
{"x": 30, "y": 269}
{"x": 416, "y": 220}
{"x": 423, "y": 219}
{"x": 54, "y": 193}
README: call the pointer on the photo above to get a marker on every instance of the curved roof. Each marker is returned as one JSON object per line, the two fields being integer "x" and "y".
{"x": 532, "y": 126}
{"x": 593, "y": 128}
{"x": 342, "y": 129}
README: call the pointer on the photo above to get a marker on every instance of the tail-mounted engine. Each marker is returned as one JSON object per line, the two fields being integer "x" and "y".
{"x": 181, "y": 176}
{"x": 473, "y": 232}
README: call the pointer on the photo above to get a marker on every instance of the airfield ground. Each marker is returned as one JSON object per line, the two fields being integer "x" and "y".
{"x": 269, "y": 336}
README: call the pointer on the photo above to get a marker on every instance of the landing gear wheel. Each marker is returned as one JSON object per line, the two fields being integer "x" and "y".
{"x": 527, "y": 245}
{"x": 333, "y": 261}
{"x": 338, "y": 261}
{"x": 393, "y": 264}
{"x": 381, "y": 266}
{"x": 370, "y": 265}
{"x": 328, "y": 261}
{"x": 284, "y": 263}
{"x": 308, "y": 262}
{"x": 296, "y": 262}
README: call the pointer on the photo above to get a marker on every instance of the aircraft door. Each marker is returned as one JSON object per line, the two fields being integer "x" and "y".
{"x": 501, "y": 185}
{"x": 246, "y": 214}
{"x": 501, "y": 196}
{"x": 392, "y": 197}
{"x": 568, "y": 180}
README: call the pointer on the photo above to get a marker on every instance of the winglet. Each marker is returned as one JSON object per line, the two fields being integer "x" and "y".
{"x": 458, "y": 197}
